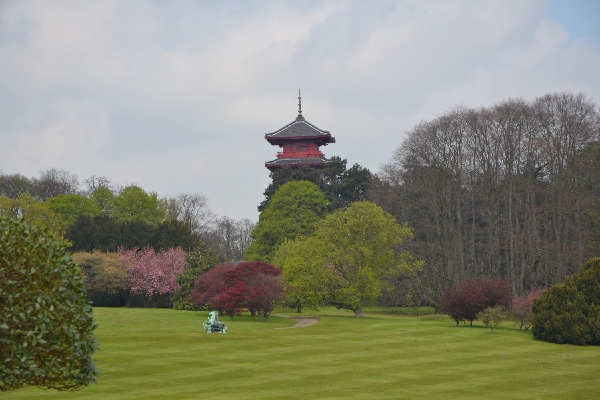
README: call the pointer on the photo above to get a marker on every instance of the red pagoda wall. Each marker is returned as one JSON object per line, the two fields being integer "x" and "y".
{"x": 298, "y": 150}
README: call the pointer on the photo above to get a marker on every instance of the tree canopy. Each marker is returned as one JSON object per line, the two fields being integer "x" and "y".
{"x": 341, "y": 185}
{"x": 72, "y": 206}
{"x": 293, "y": 211}
{"x": 34, "y": 212}
{"x": 107, "y": 216}
{"x": 510, "y": 191}
{"x": 134, "y": 204}
{"x": 348, "y": 260}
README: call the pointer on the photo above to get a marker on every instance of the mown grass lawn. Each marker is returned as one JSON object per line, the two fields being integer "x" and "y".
{"x": 164, "y": 354}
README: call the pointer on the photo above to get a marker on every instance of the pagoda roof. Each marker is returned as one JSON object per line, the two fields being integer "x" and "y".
{"x": 300, "y": 129}
{"x": 296, "y": 162}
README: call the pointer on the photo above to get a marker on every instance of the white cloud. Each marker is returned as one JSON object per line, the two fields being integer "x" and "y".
{"x": 64, "y": 134}
{"x": 176, "y": 96}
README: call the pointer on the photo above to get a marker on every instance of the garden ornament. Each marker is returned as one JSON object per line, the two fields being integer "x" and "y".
{"x": 212, "y": 325}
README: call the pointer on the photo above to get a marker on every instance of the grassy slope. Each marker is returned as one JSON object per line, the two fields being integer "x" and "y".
{"x": 164, "y": 354}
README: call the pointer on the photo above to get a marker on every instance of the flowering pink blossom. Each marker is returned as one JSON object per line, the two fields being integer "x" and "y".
{"x": 153, "y": 274}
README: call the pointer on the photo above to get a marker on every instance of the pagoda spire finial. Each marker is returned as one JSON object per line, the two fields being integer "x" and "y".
{"x": 299, "y": 104}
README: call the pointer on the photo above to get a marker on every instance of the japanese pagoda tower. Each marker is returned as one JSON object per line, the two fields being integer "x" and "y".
{"x": 300, "y": 141}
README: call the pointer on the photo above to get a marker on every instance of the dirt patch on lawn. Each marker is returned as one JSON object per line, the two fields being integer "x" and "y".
{"x": 301, "y": 322}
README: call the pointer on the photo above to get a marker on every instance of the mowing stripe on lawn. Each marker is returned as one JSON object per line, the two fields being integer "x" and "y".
{"x": 165, "y": 354}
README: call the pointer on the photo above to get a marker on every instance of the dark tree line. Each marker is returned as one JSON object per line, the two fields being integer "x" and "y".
{"x": 511, "y": 191}
{"x": 106, "y": 234}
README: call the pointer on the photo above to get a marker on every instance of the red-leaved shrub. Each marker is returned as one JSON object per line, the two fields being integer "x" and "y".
{"x": 470, "y": 297}
{"x": 234, "y": 288}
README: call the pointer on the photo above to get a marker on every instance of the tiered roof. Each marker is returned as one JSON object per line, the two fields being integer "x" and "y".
{"x": 300, "y": 129}
{"x": 296, "y": 162}
{"x": 299, "y": 132}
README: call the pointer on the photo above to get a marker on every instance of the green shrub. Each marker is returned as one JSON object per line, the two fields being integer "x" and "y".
{"x": 492, "y": 316}
{"x": 46, "y": 325}
{"x": 570, "y": 312}
{"x": 105, "y": 278}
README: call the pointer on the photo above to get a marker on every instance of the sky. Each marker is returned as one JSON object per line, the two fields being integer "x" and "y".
{"x": 176, "y": 96}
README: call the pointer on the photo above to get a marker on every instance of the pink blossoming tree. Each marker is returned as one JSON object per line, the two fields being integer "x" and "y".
{"x": 151, "y": 274}
{"x": 522, "y": 309}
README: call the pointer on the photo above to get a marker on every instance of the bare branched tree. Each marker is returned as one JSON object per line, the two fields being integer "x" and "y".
{"x": 506, "y": 191}
{"x": 54, "y": 182}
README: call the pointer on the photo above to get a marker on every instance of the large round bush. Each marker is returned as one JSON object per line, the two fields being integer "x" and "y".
{"x": 46, "y": 325}
{"x": 570, "y": 312}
